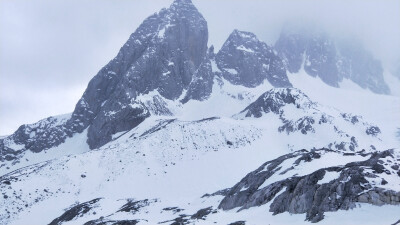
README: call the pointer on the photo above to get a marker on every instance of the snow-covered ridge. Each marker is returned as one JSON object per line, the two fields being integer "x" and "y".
{"x": 13, "y": 144}
{"x": 298, "y": 114}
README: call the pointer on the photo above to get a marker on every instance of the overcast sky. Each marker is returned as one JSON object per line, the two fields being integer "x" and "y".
{"x": 49, "y": 50}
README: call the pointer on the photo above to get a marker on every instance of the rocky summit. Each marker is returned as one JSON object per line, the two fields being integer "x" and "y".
{"x": 331, "y": 59}
{"x": 245, "y": 60}
{"x": 166, "y": 132}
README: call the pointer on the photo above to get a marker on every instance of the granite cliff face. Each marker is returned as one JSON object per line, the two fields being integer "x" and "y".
{"x": 295, "y": 186}
{"x": 245, "y": 60}
{"x": 162, "y": 55}
{"x": 328, "y": 58}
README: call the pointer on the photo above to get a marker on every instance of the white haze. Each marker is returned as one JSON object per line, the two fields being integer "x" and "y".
{"x": 49, "y": 50}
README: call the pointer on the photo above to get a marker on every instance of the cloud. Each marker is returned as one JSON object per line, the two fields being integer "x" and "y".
{"x": 49, "y": 50}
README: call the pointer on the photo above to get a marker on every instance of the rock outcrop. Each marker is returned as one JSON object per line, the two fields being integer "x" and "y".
{"x": 299, "y": 114}
{"x": 295, "y": 186}
{"x": 245, "y": 60}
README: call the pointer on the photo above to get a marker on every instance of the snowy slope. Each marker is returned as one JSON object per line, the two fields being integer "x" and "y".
{"x": 172, "y": 161}
{"x": 382, "y": 110}
{"x": 20, "y": 158}
{"x": 120, "y": 176}
{"x": 164, "y": 158}
{"x": 189, "y": 142}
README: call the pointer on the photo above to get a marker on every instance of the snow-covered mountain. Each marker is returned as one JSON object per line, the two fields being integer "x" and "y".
{"x": 166, "y": 132}
{"x": 330, "y": 59}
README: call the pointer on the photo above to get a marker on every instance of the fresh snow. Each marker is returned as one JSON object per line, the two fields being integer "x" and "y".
{"x": 74, "y": 145}
{"x": 161, "y": 33}
{"x": 329, "y": 176}
{"x": 231, "y": 71}
{"x": 375, "y": 108}
{"x": 242, "y": 48}
{"x": 214, "y": 66}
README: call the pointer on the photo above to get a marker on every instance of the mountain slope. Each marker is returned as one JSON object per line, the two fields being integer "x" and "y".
{"x": 156, "y": 153}
{"x": 167, "y": 132}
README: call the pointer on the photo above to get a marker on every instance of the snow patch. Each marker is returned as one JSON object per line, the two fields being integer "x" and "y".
{"x": 329, "y": 176}
{"x": 231, "y": 71}
{"x": 242, "y": 48}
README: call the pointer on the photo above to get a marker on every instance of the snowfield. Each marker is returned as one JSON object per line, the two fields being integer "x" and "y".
{"x": 173, "y": 163}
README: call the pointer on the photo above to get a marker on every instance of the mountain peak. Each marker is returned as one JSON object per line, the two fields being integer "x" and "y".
{"x": 245, "y": 60}
{"x": 161, "y": 56}
{"x": 182, "y": 2}
{"x": 274, "y": 99}
{"x": 184, "y": 6}
{"x": 243, "y": 34}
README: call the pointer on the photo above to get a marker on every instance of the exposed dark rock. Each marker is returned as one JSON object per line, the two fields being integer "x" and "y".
{"x": 303, "y": 194}
{"x": 244, "y": 60}
{"x": 134, "y": 206}
{"x": 238, "y": 223}
{"x": 373, "y": 130}
{"x": 35, "y": 137}
{"x": 112, "y": 222}
{"x": 173, "y": 209}
{"x": 75, "y": 211}
{"x": 223, "y": 192}
{"x": 202, "y": 213}
{"x": 190, "y": 219}
{"x": 304, "y": 125}
{"x": 273, "y": 100}
{"x": 7, "y": 182}
{"x": 200, "y": 87}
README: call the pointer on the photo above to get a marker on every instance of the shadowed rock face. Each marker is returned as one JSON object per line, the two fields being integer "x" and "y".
{"x": 244, "y": 60}
{"x": 330, "y": 59}
{"x": 359, "y": 181}
{"x": 43, "y": 134}
{"x": 200, "y": 87}
{"x": 75, "y": 212}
